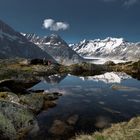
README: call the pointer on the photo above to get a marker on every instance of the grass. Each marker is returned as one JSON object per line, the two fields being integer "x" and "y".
{"x": 121, "y": 131}
{"x": 12, "y": 68}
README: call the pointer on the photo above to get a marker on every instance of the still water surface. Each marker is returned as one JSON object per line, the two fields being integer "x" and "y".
{"x": 97, "y": 100}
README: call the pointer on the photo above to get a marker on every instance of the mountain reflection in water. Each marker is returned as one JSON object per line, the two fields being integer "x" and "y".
{"x": 93, "y": 98}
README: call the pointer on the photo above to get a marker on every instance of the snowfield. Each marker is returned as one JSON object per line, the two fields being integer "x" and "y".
{"x": 99, "y": 60}
{"x": 109, "y": 48}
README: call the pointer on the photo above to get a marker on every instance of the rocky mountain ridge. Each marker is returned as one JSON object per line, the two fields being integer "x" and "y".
{"x": 56, "y": 47}
{"x": 15, "y": 45}
{"x": 117, "y": 48}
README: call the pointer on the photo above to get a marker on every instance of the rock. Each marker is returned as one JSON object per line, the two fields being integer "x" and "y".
{"x": 109, "y": 63}
{"x": 52, "y": 96}
{"x": 49, "y": 104}
{"x": 72, "y": 120}
{"x": 6, "y": 82}
{"x": 18, "y": 86}
{"x": 60, "y": 128}
{"x": 2, "y": 89}
{"x": 39, "y": 62}
{"x": 7, "y": 129}
{"x": 24, "y": 62}
{"x": 124, "y": 88}
{"x": 36, "y": 91}
{"x": 34, "y": 101}
{"x": 14, "y": 85}
{"x": 102, "y": 122}
{"x": 15, "y": 120}
{"x": 9, "y": 96}
{"x": 40, "y": 100}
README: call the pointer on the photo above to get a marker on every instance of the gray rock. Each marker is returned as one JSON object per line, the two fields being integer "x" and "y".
{"x": 9, "y": 96}
{"x": 13, "y": 45}
{"x": 72, "y": 120}
{"x": 52, "y": 96}
{"x": 60, "y": 128}
{"x": 15, "y": 120}
{"x": 17, "y": 86}
{"x": 34, "y": 101}
{"x": 38, "y": 101}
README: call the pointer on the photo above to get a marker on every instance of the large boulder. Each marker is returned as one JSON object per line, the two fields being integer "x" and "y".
{"x": 15, "y": 120}
{"x": 40, "y": 62}
{"x": 111, "y": 63}
{"x": 9, "y": 96}
{"x": 33, "y": 101}
{"x": 38, "y": 101}
{"x": 60, "y": 128}
{"x": 17, "y": 86}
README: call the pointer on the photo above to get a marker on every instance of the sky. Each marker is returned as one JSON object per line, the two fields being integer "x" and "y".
{"x": 74, "y": 20}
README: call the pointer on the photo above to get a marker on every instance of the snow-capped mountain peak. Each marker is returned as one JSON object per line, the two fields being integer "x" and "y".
{"x": 14, "y": 44}
{"x": 52, "y": 39}
{"x": 56, "y": 47}
{"x": 108, "y": 47}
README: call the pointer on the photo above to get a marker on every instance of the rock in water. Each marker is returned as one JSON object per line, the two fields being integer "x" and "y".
{"x": 60, "y": 128}
{"x": 124, "y": 88}
{"x": 34, "y": 101}
{"x": 72, "y": 120}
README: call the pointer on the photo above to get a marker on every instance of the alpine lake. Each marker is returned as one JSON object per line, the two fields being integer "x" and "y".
{"x": 87, "y": 104}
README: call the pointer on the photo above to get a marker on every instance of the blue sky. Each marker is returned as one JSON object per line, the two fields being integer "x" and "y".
{"x": 74, "y": 20}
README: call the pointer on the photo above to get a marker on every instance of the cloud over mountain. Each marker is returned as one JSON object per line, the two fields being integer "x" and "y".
{"x": 53, "y": 25}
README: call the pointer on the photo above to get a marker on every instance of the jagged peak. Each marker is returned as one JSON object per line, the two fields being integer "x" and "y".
{"x": 24, "y": 34}
{"x": 108, "y": 39}
{"x": 114, "y": 39}
{"x": 53, "y": 37}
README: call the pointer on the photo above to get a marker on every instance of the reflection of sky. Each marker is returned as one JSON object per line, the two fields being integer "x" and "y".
{"x": 90, "y": 83}
{"x": 92, "y": 100}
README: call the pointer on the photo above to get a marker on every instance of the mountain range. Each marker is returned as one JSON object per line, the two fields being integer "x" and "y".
{"x": 117, "y": 48}
{"x": 56, "y": 47}
{"x": 15, "y": 45}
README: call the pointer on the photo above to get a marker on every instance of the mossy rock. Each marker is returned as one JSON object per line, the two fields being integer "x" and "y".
{"x": 7, "y": 129}
{"x": 34, "y": 101}
{"x": 15, "y": 118}
{"x": 9, "y": 96}
{"x": 51, "y": 96}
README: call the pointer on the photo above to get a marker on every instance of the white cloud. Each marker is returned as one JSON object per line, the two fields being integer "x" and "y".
{"x": 55, "y": 26}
